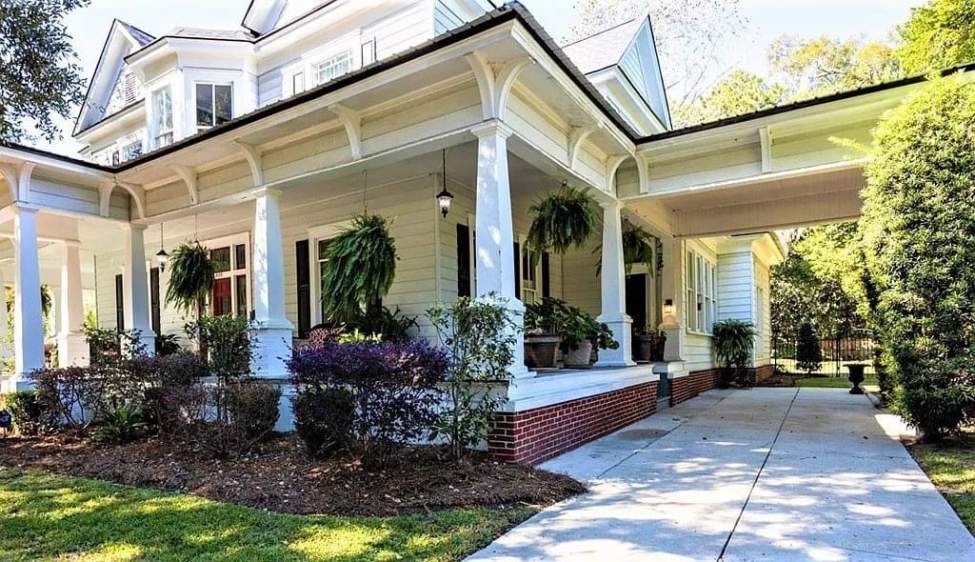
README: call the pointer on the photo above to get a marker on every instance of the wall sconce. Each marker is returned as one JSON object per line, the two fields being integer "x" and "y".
{"x": 669, "y": 309}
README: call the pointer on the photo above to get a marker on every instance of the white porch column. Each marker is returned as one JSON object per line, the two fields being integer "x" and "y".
{"x": 5, "y": 347}
{"x": 28, "y": 315}
{"x": 135, "y": 287}
{"x": 673, "y": 300}
{"x": 613, "y": 290}
{"x": 274, "y": 331}
{"x": 72, "y": 345}
{"x": 494, "y": 232}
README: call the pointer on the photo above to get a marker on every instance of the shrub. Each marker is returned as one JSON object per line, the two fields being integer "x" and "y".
{"x": 479, "y": 335}
{"x": 733, "y": 341}
{"x": 324, "y": 418}
{"x": 26, "y": 410}
{"x": 809, "y": 356}
{"x": 161, "y": 374}
{"x": 167, "y": 344}
{"x": 121, "y": 425}
{"x": 919, "y": 230}
{"x": 73, "y": 396}
{"x": 227, "y": 340}
{"x": 394, "y": 388}
{"x": 252, "y": 407}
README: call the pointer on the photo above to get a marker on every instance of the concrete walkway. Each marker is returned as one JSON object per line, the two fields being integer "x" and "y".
{"x": 763, "y": 474}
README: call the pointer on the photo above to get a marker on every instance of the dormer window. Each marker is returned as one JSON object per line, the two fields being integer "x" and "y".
{"x": 333, "y": 67}
{"x": 162, "y": 113}
{"x": 214, "y": 105}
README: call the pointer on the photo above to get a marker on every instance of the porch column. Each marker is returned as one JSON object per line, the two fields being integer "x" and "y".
{"x": 135, "y": 287}
{"x": 494, "y": 230}
{"x": 273, "y": 333}
{"x": 673, "y": 299}
{"x": 613, "y": 290}
{"x": 4, "y": 327}
{"x": 72, "y": 345}
{"x": 28, "y": 315}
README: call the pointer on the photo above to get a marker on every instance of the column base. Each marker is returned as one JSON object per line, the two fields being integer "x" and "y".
{"x": 673, "y": 346}
{"x": 622, "y": 327}
{"x": 147, "y": 339}
{"x": 15, "y": 383}
{"x": 72, "y": 350}
{"x": 272, "y": 350}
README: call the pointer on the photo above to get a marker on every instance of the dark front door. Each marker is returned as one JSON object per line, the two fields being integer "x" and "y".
{"x": 636, "y": 299}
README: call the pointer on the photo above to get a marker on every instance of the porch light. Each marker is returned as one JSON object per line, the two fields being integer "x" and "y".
{"x": 162, "y": 258}
{"x": 444, "y": 198}
{"x": 669, "y": 308}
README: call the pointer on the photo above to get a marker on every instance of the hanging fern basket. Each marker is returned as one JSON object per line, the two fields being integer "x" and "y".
{"x": 190, "y": 277}
{"x": 563, "y": 220}
{"x": 359, "y": 270}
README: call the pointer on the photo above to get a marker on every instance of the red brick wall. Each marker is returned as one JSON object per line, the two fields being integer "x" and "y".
{"x": 533, "y": 436}
{"x": 688, "y": 387}
{"x": 763, "y": 373}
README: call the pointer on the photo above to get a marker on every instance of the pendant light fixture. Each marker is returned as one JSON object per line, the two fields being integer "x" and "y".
{"x": 444, "y": 198}
{"x": 162, "y": 258}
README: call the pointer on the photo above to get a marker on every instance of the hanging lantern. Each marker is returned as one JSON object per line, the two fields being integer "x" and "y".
{"x": 162, "y": 258}
{"x": 444, "y": 198}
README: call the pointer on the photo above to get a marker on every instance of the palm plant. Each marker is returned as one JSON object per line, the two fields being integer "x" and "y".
{"x": 360, "y": 268}
{"x": 733, "y": 340}
{"x": 562, "y": 220}
{"x": 190, "y": 279}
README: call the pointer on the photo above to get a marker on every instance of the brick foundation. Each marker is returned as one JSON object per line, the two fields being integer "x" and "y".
{"x": 688, "y": 387}
{"x": 763, "y": 374}
{"x": 533, "y": 436}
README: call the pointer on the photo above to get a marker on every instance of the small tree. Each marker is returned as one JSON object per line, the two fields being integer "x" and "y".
{"x": 733, "y": 341}
{"x": 479, "y": 335}
{"x": 809, "y": 356}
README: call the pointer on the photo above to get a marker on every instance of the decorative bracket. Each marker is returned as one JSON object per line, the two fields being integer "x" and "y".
{"x": 19, "y": 179}
{"x": 253, "y": 157}
{"x": 643, "y": 172}
{"x": 494, "y": 82}
{"x": 105, "y": 198}
{"x": 191, "y": 179}
{"x": 138, "y": 195}
{"x": 352, "y": 121}
{"x": 765, "y": 137}
{"x": 613, "y": 164}
{"x": 576, "y": 136}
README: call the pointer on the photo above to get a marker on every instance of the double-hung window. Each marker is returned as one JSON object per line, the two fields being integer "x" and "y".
{"x": 214, "y": 105}
{"x": 162, "y": 111}
{"x": 229, "y": 295}
{"x": 530, "y": 287}
{"x": 333, "y": 67}
{"x": 700, "y": 286}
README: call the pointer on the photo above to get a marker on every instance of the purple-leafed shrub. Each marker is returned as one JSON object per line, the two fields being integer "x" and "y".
{"x": 392, "y": 392}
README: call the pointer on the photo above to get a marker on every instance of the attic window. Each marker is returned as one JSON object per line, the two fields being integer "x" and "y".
{"x": 333, "y": 67}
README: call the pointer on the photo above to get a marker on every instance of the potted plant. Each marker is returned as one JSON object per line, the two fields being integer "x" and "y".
{"x": 543, "y": 326}
{"x": 582, "y": 334}
{"x": 190, "y": 281}
{"x": 562, "y": 220}
{"x": 359, "y": 271}
{"x": 648, "y": 345}
{"x": 733, "y": 341}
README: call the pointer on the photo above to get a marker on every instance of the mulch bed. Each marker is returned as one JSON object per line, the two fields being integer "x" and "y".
{"x": 281, "y": 477}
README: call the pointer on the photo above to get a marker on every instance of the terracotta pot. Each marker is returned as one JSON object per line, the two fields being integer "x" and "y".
{"x": 580, "y": 357}
{"x": 541, "y": 351}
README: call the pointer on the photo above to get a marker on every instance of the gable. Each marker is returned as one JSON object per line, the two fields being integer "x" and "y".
{"x": 641, "y": 66}
{"x": 113, "y": 87}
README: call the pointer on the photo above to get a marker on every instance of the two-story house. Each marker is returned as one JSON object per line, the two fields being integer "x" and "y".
{"x": 262, "y": 142}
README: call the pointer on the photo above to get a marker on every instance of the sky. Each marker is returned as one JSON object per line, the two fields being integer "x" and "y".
{"x": 766, "y": 20}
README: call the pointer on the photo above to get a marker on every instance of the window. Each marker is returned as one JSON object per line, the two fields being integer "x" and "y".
{"x": 369, "y": 51}
{"x": 230, "y": 294}
{"x": 214, "y": 105}
{"x": 529, "y": 277}
{"x": 333, "y": 67}
{"x": 116, "y": 158}
{"x": 132, "y": 150}
{"x": 298, "y": 82}
{"x": 127, "y": 91}
{"x": 700, "y": 286}
{"x": 162, "y": 111}
{"x": 322, "y": 259}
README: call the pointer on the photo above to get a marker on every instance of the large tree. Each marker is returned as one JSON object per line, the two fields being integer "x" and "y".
{"x": 39, "y": 74}
{"x": 690, "y": 35}
{"x": 939, "y": 35}
{"x": 919, "y": 230}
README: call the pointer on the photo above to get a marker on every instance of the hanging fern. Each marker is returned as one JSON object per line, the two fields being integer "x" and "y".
{"x": 190, "y": 278}
{"x": 639, "y": 246}
{"x": 562, "y": 220}
{"x": 360, "y": 268}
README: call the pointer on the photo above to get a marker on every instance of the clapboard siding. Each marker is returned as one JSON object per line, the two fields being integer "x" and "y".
{"x": 697, "y": 347}
{"x": 445, "y": 18}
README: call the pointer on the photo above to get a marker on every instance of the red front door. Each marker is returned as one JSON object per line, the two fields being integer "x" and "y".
{"x": 222, "y": 301}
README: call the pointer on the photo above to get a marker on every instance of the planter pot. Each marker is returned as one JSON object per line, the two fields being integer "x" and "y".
{"x": 580, "y": 357}
{"x": 643, "y": 348}
{"x": 541, "y": 351}
{"x": 856, "y": 377}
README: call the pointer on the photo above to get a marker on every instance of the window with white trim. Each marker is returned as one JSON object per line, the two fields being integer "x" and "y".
{"x": 368, "y": 52}
{"x": 700, "y": 289}
{"x": 214, "y": 105}
{"x": 230, "y": 294}
{"x": 132, "y": 151}
{"x": 333, "y": 67}
{"x": 162, "y": 112}
{"x": 531, "y": 290}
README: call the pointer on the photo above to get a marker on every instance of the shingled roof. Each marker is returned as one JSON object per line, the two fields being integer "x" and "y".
{"x": 604, "y": 48}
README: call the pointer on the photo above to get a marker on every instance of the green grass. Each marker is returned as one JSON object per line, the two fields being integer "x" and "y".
{"x": 47, "y": 517}
{"x": 870, "y": 383}
{"x": 951, "y": 466}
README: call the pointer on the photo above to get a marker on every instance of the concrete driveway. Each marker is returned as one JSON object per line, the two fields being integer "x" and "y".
{"x": 763, "y": 474}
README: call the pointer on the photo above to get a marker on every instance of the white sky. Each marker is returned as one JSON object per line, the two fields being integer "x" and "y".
{"x": 767, "y": 19}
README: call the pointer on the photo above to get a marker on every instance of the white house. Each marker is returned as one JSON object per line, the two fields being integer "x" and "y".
{"x": 264, "y": 141}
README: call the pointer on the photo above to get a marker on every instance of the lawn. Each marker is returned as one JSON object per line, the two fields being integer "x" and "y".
{"x": 870, "y": 383}
{"x": 47, "y": 517}
{"x": 951, "y": 466}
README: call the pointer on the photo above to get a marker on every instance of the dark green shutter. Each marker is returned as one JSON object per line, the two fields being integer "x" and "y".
{"x": 546, "y": 276}
{"x": 463, "y": 260}
{"x": 304, "y": 288}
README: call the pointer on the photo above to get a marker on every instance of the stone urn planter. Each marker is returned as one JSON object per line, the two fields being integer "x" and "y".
{"x": 856, "y": 377}
{"x": 580, "y": 357}
{"x": 541, "y": 351}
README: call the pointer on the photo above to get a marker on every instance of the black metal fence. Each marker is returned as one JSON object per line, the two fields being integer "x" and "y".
{"x": 837, "y": 352}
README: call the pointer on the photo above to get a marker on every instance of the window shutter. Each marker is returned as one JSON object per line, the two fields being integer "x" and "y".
{"x": 517, "y": 271}
{"x": 304, "y": 288}
{"x": 463, "y": 260}
{"x": 119, "y": 305}
{"x": 154, "y": 304}
{"x": 546, "y": 276}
